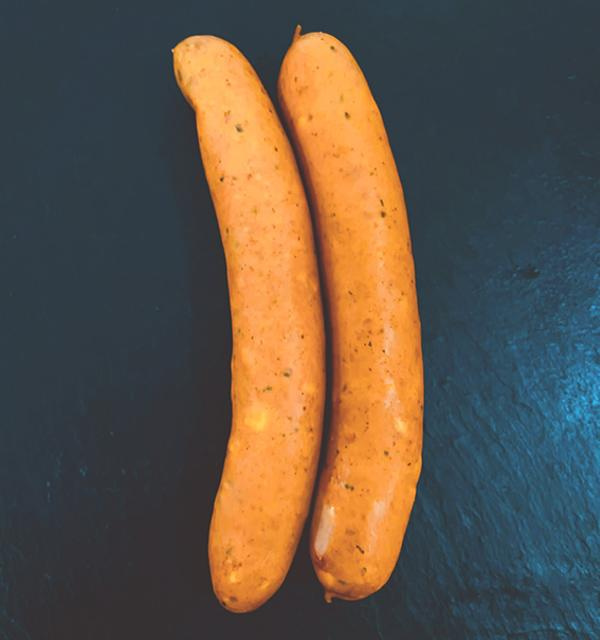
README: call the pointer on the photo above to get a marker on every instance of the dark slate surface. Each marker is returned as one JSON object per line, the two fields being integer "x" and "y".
{"x": 114, "y": 329}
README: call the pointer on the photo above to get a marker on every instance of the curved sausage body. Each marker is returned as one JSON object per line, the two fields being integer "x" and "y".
{"x": 367, "y": 488}
{"x": 278, "y": 344}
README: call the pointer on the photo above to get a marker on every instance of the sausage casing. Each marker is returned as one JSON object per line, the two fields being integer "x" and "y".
{"x": 368, "y": 486}
{"x": 278, "y": 345}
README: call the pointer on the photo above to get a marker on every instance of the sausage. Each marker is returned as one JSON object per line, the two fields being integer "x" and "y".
{"x": 277, "y": 364}
{"x": 368, "y": 485}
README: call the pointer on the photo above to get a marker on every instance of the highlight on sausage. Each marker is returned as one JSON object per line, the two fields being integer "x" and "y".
{"x": 368, "y": 486}
{"x": 278, "y": 345}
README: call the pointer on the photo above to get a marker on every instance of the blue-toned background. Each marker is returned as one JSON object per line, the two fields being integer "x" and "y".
{"x": 114, "y": 328}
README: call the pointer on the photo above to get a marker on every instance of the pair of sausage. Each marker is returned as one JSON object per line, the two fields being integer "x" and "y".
{"x": 367, "y": 487}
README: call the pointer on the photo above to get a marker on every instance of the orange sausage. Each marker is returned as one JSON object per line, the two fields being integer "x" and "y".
{"x": 368, "y": 485}
{"x": 278, "y": 345}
